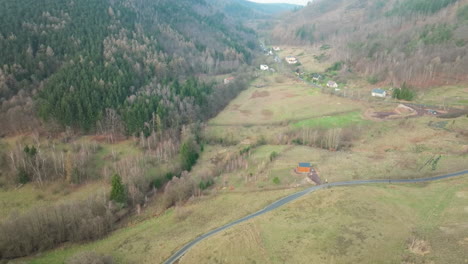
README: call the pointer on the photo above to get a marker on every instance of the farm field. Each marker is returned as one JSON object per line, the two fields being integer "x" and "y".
{"x": 306, "y": 58}
{"x": 281, "y": 103}
{"x": 352, "y": 225}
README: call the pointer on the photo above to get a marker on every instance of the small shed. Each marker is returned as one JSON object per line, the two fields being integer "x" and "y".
{"x": 291, "y": 59}
{"x": 377, "y": 92}
{"x": 264, "y": 67}
{"x": 332, "y": 84}
{"x": 228, "y": 80}
{"x": 304, "y": 167}
{"x": 316, "y": 77}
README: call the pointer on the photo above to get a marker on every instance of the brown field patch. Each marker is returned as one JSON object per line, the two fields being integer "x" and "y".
{"x": 419, "y": 247}
{"x": 267, "y": 113}
{"x": 290, "y": 95}
{"x": 108, "y": 138}
{"x": 246, "y": 112}
{"x": 258, "y": 94}
{"x": 235, "y": 107}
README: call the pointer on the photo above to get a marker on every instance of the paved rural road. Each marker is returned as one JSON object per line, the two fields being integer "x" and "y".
{"x": 296, "y": 196}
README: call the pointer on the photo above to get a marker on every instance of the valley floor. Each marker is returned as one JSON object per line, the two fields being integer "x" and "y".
{"x": 261, "y": 137}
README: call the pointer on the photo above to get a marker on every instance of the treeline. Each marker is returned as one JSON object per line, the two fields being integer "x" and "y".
{"x": 42, "y": 164}
{"x": 81, "y": 58}
{"x": 43, "y": 228}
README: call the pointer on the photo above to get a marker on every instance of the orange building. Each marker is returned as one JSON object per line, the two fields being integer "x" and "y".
{"x": 304, "y": 167}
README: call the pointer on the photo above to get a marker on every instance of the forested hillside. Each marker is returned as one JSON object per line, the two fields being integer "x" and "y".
{"x": 251, "y": 10}
{"x": 85, "y": 64}
{"x": 421, "y": 42}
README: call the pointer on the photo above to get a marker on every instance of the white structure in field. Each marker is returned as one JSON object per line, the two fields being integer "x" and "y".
{"x": 264, "y": 67}
{"x": 332, "y": 84}
{"x": 379, "y": 92}
{"x": 291, "y": 59}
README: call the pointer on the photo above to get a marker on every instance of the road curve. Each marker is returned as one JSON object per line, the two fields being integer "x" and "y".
{"x": 177, "y": 255}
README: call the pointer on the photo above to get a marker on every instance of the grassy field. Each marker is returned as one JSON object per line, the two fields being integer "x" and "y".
{"x": 16, "y": 198}
{"x": 153, "y": 240}
{"x": 281, "y": 103}
{"x": 448, "y": 95}
{"x": 341, "y": 120}
{"x": 30, "y": 195}
{"x": 352, "y": 225}
{"x": 305, "y": 55}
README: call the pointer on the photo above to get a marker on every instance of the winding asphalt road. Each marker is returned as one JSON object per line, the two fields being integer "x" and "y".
{"x": 296, "y": 196}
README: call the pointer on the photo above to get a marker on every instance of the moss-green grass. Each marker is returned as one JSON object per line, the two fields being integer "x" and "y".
{"x": 334, "y": 121}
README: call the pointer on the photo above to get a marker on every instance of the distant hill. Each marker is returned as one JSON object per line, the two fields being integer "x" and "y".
{"x": 421, "y": 42}
{"x": 74, "y": 61}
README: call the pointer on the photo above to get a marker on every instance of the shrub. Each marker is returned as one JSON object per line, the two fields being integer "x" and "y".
{"x": 404, "y": 93}
{"x": 273, "y": 155}
{"x": 276, "y": 180}
{"x": 462, "y": 13}
{"x": 188, "y": 154}
{"x": 23, "y": 176}
{"x": 373, "y": 79}
{"x": 337, "y": 66}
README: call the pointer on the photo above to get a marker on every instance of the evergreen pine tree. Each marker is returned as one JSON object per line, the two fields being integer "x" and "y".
{"x": 118, "y": 193}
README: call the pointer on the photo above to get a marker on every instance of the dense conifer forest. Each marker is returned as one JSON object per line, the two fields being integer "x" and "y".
{"x": 72, "y": 63}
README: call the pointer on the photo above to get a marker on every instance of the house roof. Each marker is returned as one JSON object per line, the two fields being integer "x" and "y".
{"x": 304, "y": 164}
{"x": 331, "y": 82}
{"x": 378, "y": 90}
{"x": 230, "y": 78}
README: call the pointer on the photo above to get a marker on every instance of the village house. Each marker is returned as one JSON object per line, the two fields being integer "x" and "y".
{"x": 291, "y": 59}
{"x": 264, "y": 67}
{"x": 332, "y": 84}
{"x": 377, "y": 92}
{"x": 276, "y": 48}
{"x": 228, "y": 80}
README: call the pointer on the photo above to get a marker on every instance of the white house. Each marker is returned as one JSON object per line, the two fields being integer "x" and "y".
{"x": 264, "y": 67}
{"x": 291, "y": 59}
{"x": 332, "y": 84}
{"x": 276, "y": 48}
{"x": 228, "y": 80}
{"x": 379, "y": 92}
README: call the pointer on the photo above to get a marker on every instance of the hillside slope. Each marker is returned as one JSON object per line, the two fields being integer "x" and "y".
{"x": 79, "y": 58}
{"x": 423, "y": 43}
{"x": 246, "y": 9}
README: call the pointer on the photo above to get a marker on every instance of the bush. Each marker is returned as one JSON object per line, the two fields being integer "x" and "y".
{"x": 337, "y": 66}
{"x": 273, "y": 155}
{"x": 373, "y": 79}
{"x": 89, "y": 257}
{"x": 462, "y": 13}
{"x": 23, "y": 176}
{"x": 404, "y": 93}
{"x": 276, "y": 180}
{"x": 188, "y": 154}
